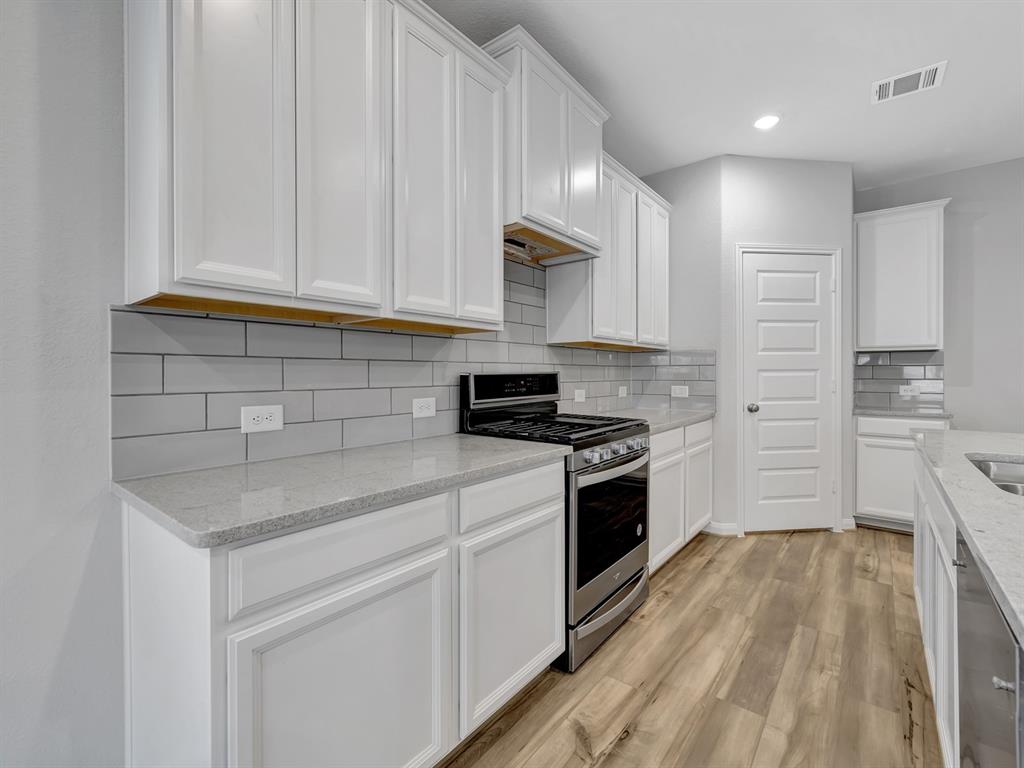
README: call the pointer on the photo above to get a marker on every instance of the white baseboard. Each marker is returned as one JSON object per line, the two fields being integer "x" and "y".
{"x": 849, "y": 523}
{"x": 721, "y": 529}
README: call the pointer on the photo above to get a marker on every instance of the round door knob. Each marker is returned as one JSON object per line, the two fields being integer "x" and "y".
{"x": 753, "y": 407}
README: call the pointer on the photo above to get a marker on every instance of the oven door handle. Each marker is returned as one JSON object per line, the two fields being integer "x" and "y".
{"x": 611, "y": 474}
{"x": 623, "y": 605}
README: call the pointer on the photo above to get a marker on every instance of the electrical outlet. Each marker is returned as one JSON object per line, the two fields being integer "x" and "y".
{"x": 262, "y": 418}
{"x": 622, "y": 391}
{"x": 580, "y": 395}
{"x": 680, "y": 390}
{"x": 424, "y": 407}
{"x": 910, "y": 390}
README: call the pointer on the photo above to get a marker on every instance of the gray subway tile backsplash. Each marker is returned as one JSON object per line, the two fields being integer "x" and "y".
{"x": 345, "y": 386}
{"x": 877, "y": 377}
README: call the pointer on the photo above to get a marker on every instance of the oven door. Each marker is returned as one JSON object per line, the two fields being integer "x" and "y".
{"x": 607, "y": 530}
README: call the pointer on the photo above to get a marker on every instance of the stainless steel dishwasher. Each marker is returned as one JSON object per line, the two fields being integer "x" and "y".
{"x": 990, "y": 663}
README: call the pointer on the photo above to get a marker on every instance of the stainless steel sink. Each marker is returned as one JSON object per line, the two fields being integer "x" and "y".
{"x": 1005, "y": 474}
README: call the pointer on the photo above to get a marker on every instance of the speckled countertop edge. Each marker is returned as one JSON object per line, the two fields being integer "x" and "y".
{"x": 231, "y": 505}
{"x": 990, "y": 520}
{"x": 664, "y": 419}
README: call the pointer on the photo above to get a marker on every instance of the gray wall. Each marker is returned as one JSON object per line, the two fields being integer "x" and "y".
{"x": 61, "y": 217}
{"x": 984, "y": 288}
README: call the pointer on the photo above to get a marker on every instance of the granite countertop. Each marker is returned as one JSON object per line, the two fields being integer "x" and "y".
{"x": 990, "y": 520}
{"x": 226, "y": 505}
{"x": 663, "y": 419}
{"x": 907, "y": 412}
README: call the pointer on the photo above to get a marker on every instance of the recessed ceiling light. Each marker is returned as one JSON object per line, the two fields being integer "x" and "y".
{"x": 766, "y": 122}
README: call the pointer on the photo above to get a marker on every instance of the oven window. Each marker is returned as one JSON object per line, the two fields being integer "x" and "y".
{"x": 607, "y": 518}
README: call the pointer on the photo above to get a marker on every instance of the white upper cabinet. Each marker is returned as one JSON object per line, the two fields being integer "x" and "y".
{"x": 553, "y": 152}
{"x": 339, "y": 121}
{"x": 899, "y": 277}
{"x": 621, "y": 299}
{"x": 234, "y": 147}
{"x": 321, "y": 160}
{"x": 424, "y": 167}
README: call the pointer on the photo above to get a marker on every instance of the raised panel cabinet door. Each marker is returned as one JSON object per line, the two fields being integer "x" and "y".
{"x": 424, "y": 168}
{"x": 660, "y": 291}
{"x": 545, "y": 185}
{"x": 512, "y": 610}
{"x": 361, "y": 677}
{"x": 604, "y": 294}
{"x": 625, "y": 261}
{"x": 699, "y": 479}
{"x": 479, "y": 217}
{"x": 645, "y": 286}
{"x": 585, "y": 148}
{"x": 340, "y": 54}
{"x": 899, "y": 279}
{"x": 234, "y": 144}
{"x": 885, "y": 472}
{"x": 666, "y": 519}
{"x": 946, "y": 670}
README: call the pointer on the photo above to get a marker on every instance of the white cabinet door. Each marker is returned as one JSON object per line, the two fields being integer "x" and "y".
{"x": 666, "y": 525}
{"x": 699, "y": 479}
{"x": 478, "y": 148}
{"x": 625, "y": 261}
{"x": 339, "y": 143}
{"x": 234, "y": 144}
{"x": 330, "y": 683}
{"x": 946, "y": 669}
{"x": 512, "y": 612}
{"x": 660, "y": 277}
{"x": 885, "y": 471}
{"x": 585, "y": 145}
{"x": 424, "y": 168}
{"x": 645, "y": 270}
{"x": 545, "y": 184}
{"x": 604, "y": 295}
{"x": 899, "y": 277}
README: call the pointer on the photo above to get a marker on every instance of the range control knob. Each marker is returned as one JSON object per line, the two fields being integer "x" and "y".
{"x": 645, "y": 442}
{"x": 633, "y": 443}
{"x": 606, "y": 453}
{"x": 618, "y": 449}
{"x": 591, "y": 457}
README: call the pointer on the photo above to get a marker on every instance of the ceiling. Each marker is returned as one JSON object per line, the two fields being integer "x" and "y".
{"x": 685, "y": 80}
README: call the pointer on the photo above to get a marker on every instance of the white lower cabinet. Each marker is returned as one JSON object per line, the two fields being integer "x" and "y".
{"x": 379, "y": 640}
{"x": 512, "y": 611}
{"x": 935, "y": 591}
{"x": 885, "y": 464}
{"x": 679, "y": 504}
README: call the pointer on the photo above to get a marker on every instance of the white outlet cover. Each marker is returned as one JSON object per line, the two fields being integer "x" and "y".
{"x": 580, "y": 395}
{"x": 424, "y": 407}
{"x": 910, "y": 390}
{"x": 262, "y": 418}
{"x": 622, "y": 391}
{"x": 680, "y": 390}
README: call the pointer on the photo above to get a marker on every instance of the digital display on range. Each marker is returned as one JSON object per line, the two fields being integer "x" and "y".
{"x": 501, "y": 385}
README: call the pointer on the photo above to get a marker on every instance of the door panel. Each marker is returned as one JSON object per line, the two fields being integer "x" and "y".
{"x": 424, "y": 168}
{"x": 234, "y": 144}
{"x": 699, "y": 484}
{"x": 788, "y": 362}
{"x": 545, "y": 149}
{"x": 645, "y": 286}
{"x": 480, "y": 264}
{"x": 625, "y": 262}
{"x": 584, "y": 173}
{"x": 326, "y": 684}
{"x": 660, "y": 276}
{"x": 667, "y": 524}
{"x": 604, "y": 297}
{"x": 339, "y": 123}
{"x": 885, "y": 488}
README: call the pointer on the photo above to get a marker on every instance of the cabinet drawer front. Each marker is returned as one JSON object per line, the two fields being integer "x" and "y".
{"x": 272, "y": 569}
{"x": 665, "y": 443}
{"x": 888, "y": 427}
{"x": 482, "y": 503}
{"x": 698, "y": 433}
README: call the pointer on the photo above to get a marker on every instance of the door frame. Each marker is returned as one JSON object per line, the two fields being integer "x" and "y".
{"x": 837, "y": 347}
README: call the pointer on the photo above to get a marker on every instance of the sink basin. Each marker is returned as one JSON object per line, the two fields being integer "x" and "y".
{"x": 1005, "y": 474}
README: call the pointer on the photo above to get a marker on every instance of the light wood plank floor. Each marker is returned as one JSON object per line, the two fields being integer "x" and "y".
{"x": 787, "y": 649}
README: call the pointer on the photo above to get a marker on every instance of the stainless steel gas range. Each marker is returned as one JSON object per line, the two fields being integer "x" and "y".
{"x": 606, "y": 485}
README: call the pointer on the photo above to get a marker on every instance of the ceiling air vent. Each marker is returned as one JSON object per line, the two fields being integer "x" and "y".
{"x": 908, "y": 83}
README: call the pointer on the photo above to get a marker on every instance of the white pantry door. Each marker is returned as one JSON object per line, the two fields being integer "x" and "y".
{"x": 788, "y": 387}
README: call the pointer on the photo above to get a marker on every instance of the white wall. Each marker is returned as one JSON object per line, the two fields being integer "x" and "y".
{"x": 984, "y": 288}
{"x": 695, "y": 192}
{"x": 765, "y": 202}
{"x": 60, "y": 266}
